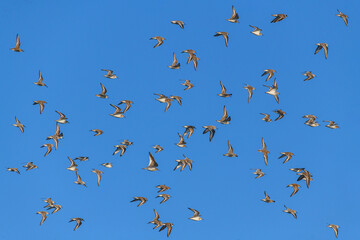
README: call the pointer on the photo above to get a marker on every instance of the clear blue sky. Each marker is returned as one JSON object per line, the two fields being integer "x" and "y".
{"x": 70, "y": 41}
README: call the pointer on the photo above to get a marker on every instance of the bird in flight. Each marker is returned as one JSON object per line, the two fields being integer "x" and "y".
{"x": 19, "y": 125}
{"x": 40, "y": 81}
{"x": 110, "y": 74}
{"x": 152, "y": 164}
{"x": 43, "y": 215}
{"x": 78, "y": 222}
{"x": 17, "y": 45}
{"x": 290, "y": 211}
{"x": 159, "y": 39}
{"x": 256, "y": 31}
{"x": 324, "y": 46}
{"x": 142, "y": 200}
{"x": 223, "y": 91}
{"x": 234, "y": 17}
{"x": 178, "y": 22}
{"x": 267, "y": 198}
{"x": 264, "y": 151}
{"x": 175, "y": 64}
{"x": 335, "y": 228}
{"x": 225, "y": 35}
{"x": 196, "y": 216}
{"x": 230, "y": 152}
{"x": 278, "y": 17}
{"x": 343, "y": 16}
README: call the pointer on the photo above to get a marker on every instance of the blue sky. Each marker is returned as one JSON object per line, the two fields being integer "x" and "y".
{"x": 70, "y": 41}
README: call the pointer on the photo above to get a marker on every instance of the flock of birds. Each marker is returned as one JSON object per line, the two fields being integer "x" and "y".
{"x": 303, "y": 174}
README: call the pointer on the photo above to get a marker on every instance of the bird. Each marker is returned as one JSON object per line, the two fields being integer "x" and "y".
{"x": 73, "y": 165}
{"x": 168, "y": 226}
{"x": 159, "y": 39}
{"x": 175, "y": 64}
{"x": 250, "y": 91}
{"x": 256, "y": 31}
{"x": 97, "y": 132}
{"x": 156, "y": 221}
{"x": 152, "y": 164}
{"x": 78, "y": 180}
{"x": 43, "y": 215}
{"x": 264, "y": 151}
{"x": 13, "y": 170}
{"x": 234, "y": 17}
{"x": 335, "y": 228}
{"x": 107, "y": 165}
{"x": 295, "y": 187}
{"x": 158, "y": 148}
{"x": 127, "y": 103}
{"x": 311, "y": 120}
{"x": 141, "y": 199}
{"x": 211, "y": 129}
{"x": 78, "y": 222}
{"x": 192, "y": 57}
{"x": 331, "y": 125}
{"x": 343, "y": 16}
{"x": 58, "y": 135}
{"x": 82, "y": 159}
{"x": 225, "y": 35}
{"x": 296, "y": 169}
{"x": 56, "y": 207}
{"x": 196, "y": 216}
{"x": 30, "y": 166}
{"x": 291, "y": 211}
{"x": 324, "y": 46}
{"x": 188, "y": 84}
{"x": 181, "y": 142}
{"x": 230, "y": 152}
{"x": 164, "y": 196}
{"x": 19, "y": 125}
{"x": 40, "y": 81}
{"x": 281, "y": 114}
{"x": 103, "y": 92}
{"x": 17, "y": 45}
{"x": 278, "y": 17}
{"x": 267, "y": 198}
{"x": 98, "y": 174}
{"x": 269, "y": 73}
{"x": 164, "y": 99}
{"x": 49, "y": 202}
{"x": 183, "y": 163}
{"x": 310, "y": 117}
{"x": 120, "y": 148}
{"x": 225, "y": 119}
{"x": 118, "y": 113}
{"x": 162, "y": 188}
{"x": 126, "y": 142}
{"x": 41, "y": 103}
{"x": 189, "y": 130}
{"x": 178, "y": 22}
{"x": 223, "y": 91}
{"x": 177, "y": 98}
{"x": 273, "y": 91}
{"x": 306, "y": 176}
{"x": 62, "y": 118}
{"x": 110, "y": 74}
{"x": 49, "y": 147}
{"x": 266, "y": 118}
{"x": 288, "y": 156}
{"x": 259, "y": 173}
{"x": 309, "y": 75}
